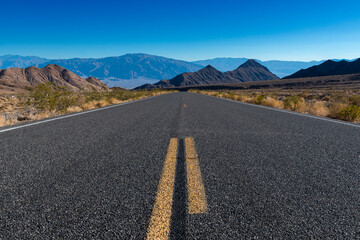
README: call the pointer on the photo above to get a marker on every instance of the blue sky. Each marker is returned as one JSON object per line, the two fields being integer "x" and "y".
{"x": 182, "y": 29}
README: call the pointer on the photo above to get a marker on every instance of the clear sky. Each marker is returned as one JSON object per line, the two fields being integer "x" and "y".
{"x": 182, "y": 29}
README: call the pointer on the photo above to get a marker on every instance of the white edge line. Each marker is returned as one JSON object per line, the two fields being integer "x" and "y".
{"x": 290, "y": 112}
{"x": 74, "y": 114}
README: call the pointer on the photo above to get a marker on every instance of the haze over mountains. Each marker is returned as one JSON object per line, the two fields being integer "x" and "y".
{"x": 15, "y": 79}
{"x": 249, "y": 71}
{"x": 15, "y": 61}
{"x": 133, "y": 70}
{"x": 128, "y": 71}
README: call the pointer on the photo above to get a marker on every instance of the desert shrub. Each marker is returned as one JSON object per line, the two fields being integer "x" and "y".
{"x": 335, "y": 108}
{"x": 94, "y": 96}
{"x": 293, "y": 103}
{"x": 218, "y": 94}
{"x": 270, "y": 102}
{"x": 350, "y": 113}
{"x": 232, "y": 96}
{"x": 305, "y": 94}
{"x": 355, "y": 100}
{"x": 101, "y": 103}
{"x": 259, "y": 100}
{"x": 225, "y": 95}
{"x": 51, "y": 97}
{"x": 318, "y": 108}
{"x": 239, "y": 97}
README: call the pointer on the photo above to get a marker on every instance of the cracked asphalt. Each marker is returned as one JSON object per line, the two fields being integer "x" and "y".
{"x": 267, "y": 174}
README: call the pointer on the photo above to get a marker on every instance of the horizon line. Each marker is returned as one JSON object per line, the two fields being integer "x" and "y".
{"x": 191, "y": 61}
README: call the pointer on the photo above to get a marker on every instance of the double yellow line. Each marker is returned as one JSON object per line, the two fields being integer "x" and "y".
{"x": 159, "y": 227}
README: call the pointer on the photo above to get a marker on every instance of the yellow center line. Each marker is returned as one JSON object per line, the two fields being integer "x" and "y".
{"x": 159, "y": 227}
{"x": 196, "y": 190}
{"x": 185, "y": 105}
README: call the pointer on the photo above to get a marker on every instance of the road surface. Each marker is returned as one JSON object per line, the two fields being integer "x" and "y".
{"x": 255, "y": 173}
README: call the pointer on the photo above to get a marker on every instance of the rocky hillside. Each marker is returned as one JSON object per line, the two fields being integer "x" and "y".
{"x": 15, "y": 79}
{"x": 329, "y": 68}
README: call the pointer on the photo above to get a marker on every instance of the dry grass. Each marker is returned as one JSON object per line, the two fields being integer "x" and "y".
{"x": 74, "y": 109}
{"x": 270, "y": 102}
{"x": 47, "y": 101}
{"x": 113, "y": 101}
{"x": 42, "y": 115}
{"x": 3, "y": 121}
{"x": 335, "y": 108}
{"x": 318, "y": 108}
{"x": 339, "y": 104}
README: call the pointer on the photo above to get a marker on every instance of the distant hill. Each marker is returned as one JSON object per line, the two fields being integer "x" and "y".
{"x": 128, "y": 71}
{"x": 249, "y": 71}
{"x": 279, "y": 68}
{"x": 347, "y": 81}
{"x": 329, "y": 68}
{"x": 138, "y": 68}
{"x": 222, "y": 64}
{"x": 15, "y": 79}
{"x": 15, "y": 61}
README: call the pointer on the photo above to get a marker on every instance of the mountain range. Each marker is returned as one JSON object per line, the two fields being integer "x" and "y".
{"x": 128, "y": 71}
{"x": 132, "y": 70}
{"x": 15, "y": 79}
{"x": 329, "y": 68}
{"x": 279, "y": 68}
{"x": 248, "y": 71}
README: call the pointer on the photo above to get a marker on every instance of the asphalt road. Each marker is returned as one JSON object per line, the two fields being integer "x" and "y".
{"x": 267, "y": 174}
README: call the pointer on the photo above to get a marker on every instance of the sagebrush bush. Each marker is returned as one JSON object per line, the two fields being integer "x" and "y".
{"x": 232, "y": 96}
{"x": 318, "y": 108}
{"x": 271, "y": 102}
{"x": 350, "y": 113}
{"x": 292, "y": 103}
{"x": 49, "y": 97}
{"x": 355, "y": 100}
{"x": 259, "y": 100}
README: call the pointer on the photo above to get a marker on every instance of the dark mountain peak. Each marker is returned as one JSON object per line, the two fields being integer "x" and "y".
{"x": 251, "y": 63}
{"x": 208, "y": 68}
{"x": 251, "y": 70}
{"x": 146, "y": 86}
{"x": 328, "y": 62}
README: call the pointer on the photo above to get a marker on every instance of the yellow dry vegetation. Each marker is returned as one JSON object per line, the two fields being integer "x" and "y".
{"x": 46, "y": 101}
{"x": 318, "y": 108}
{"x": 270, "y": 102}
{"x": 339, "y": 104}
{"x": 2, "y": 121}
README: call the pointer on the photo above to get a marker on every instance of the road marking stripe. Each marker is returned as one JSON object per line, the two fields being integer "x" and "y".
{"x": 196, "y": 190}
{"x": 159, "y": 227}
{"x": 73, "y": 114}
